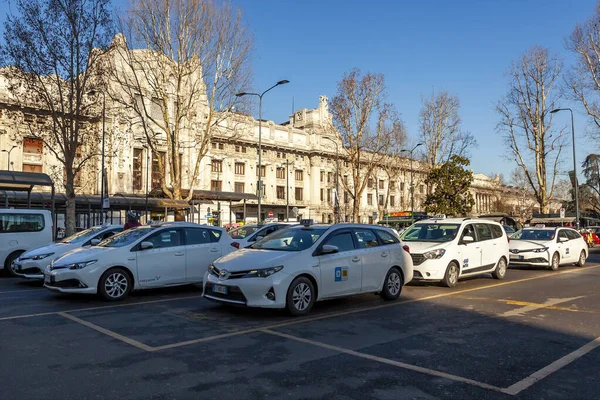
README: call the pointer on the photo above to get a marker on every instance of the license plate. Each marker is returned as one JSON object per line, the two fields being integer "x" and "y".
{"x": 47, "y": 279}
{"x": 516, "y": 257}
{"x": 219, "y": 289}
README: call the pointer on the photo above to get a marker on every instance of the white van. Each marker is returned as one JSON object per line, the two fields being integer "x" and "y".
{"x": 20, "y": 231}
{"x": 448, "y": 249}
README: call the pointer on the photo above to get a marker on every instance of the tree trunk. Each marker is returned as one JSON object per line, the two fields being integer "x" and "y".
{"x": 355, "y": 209}
{"x": 70, "y": 217}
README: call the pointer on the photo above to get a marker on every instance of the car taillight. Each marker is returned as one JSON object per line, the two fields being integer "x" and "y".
{"x": 235, "y": 244}
{"x": 406, "y": 249}
{"x": 508, "y": 238}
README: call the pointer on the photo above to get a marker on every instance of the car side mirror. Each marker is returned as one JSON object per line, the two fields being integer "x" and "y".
{"x": 95, "y": 242}
{"x": 467, "y": 239}
{"x": 329, "y": 249}
{"x": 146, "y": 245}
{"x": 563, "y": 239}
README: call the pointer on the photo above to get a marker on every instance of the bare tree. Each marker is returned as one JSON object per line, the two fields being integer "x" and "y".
{"x": 440, "y": 129}
{"x": 192, "y": 58}
{"x": 392, "y": 165}
{"x": 526, "y": 122}
{"x": 524, "y": 207}
{"x": 51, "y": 54}
{"x": 583, "y": 79}
{"x": 366, "y": 124}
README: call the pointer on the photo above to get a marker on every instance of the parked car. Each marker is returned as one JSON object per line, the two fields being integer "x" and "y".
{"x": 165, "y": 254}
{"x": 248, "y": 234}
{"x": 295, "y": 267}
{"x": 447, "y": 249}
{"x": 31, "y": 264}
{"x": 548, "y": 247}
{"x": 22, "y": 230}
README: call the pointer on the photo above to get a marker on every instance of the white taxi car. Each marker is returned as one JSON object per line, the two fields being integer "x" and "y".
{"x": 167, "y": 254}
{"x": 448, "y": 249}
{"x": 547, "y": 247}
{"x": 249, "y": 234}
{"x": 294, "y": 267}
{"x": 31, "y": 265}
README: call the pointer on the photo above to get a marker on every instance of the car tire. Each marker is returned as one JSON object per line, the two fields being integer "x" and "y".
{"x": 582, "y": 258}
{"x": 300, "y": 296}
{"x": 392, "y": 285}
{"x": 8, "y": 271}
{"x": 115, "y": 284}
{"x": 500, "y": 271}
{"x": 451, "y": 275}
{"x": 555, "y": 263}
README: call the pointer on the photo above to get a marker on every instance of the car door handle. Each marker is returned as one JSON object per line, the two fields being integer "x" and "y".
{"x": 384, "y": 254}
{"x": 179, "y": 254}
{"x": 356, "y": 259}
{"x": 214, "y": 250}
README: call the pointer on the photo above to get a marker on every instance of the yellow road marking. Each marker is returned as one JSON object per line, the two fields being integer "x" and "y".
{"x": 530, "y": 304}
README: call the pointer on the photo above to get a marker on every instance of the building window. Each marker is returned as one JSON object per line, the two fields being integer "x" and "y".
{"x": 322, "y": 194}
{"x": 240, "y": 168}
{"x": 371, "y": 183}
{"x": 346, "y": 179}
{"x": 299, "y": 175}
{"x": 422, "y": 189}
{"x": 278, "y": 154}
{"x": 239, "y": 187}
{"x": 243, "y": 149}
{"x": 215, "y": 186}
{"x": 392, "y": 185}
{"x": 329, "y": 195}
{"x": 369, "y": 199}
{"x": 221, "y": 146}
{"x": 380, "y": 199}
{"x": 263, "y": 171}
{"x": 402, "y": 186}
{"x": 381, "y": 184}
{"x": 33, "y": 150}
{"x": 329, "y": 177}
{"x": 392, "y": 201}
{"x": 322, "y": 176}
{"x": 137, "y": 168}
{"x": 280, "y": 192}
{"x": 280, "y": 172}
{"x": 213, "y": 145}
{"x": 298, "y": 192}
{"x": 216, "y": 166}
{"x": 32, "y": 168}
{"x": 156, "y": 172}
{"x": 346, "y": 198}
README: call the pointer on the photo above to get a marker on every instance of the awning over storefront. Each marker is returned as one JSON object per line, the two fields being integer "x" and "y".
{"x": 552, "y": 220}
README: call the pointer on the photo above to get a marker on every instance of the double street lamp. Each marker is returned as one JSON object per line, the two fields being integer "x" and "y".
{"x": 412, "y": 187}
{"x": 260, "y": 96}
{"x": 8, "y": 153}
{"x": 574, "y": 163}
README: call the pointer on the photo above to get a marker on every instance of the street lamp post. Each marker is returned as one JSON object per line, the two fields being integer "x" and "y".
{"x": 412, "y": 187}
{"x": 337, "y": 179}
{"x": 574, "y": 163}
{"x": 8, "y": 153}
{"x": 260, "y": 96}
{"x": 102, "y": 183}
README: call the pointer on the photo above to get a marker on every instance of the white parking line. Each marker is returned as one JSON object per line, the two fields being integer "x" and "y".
{"x": 110, "y": 333}
{"x": 411, "y": 367}
{"x": 552, "y": 368}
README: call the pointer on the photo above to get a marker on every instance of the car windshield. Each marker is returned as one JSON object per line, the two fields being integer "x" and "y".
{"x": 127, "y": 237}
{"x": 297, "y": 239}
{"x": 83, "y": 235}
{"x": 534, "y": 234}
{"x": 243, "y": 232}
{"x": 430, "y": 232}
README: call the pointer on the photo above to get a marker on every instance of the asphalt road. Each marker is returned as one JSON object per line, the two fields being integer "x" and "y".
{"x": 534, "y": 335}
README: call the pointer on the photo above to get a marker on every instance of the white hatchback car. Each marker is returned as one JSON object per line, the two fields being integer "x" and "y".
{"x": 31, "y": 265}
{"x": 448, "y": 249}
{"x": 167, "y": 254}
{"x": 547, "y": 247}
{"x": 294, "y": 267}
{"x": 249, "y": 234}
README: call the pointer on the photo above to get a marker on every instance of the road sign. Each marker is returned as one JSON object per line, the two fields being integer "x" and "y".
{"x": 270, "y": 214}
{"x": 106, "y": 203}
{"x": 562, "y": 212}
{"x": 295, "y": 211}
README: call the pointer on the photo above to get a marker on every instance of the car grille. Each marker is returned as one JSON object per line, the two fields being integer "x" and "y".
{"x": 68, "y": 283}
{"x": 531, "y": 260}
{"x": 232, "y": 275}
{"x": 418, "y": 259}
{"x": 233, "y": 293}
{"x": 32, "y": 270}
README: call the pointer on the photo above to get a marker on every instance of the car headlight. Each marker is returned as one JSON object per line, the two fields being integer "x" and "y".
{"x": 263, "y": 272}
{"x": 41, "y": 256}
{"x": 212, "y": 270}
{"x": 434, "y": 254}
{"x": 81, "y": 265}
{"x": 540, "y": 250}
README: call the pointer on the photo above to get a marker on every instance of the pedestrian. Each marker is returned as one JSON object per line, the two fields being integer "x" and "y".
{"x": 132, "y": 220}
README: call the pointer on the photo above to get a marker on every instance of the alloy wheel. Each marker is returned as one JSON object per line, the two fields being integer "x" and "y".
{"x": 453, "y": 274}
{"x": 301, "y": 296}
{"x": 116, "y": 285}
{"x": 394, "y": 283}
{"x": 502, "y": 267}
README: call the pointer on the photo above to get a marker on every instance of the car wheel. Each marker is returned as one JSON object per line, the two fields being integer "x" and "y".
{"x": 115, "y": 284}
{"x": 555, "y": 262}
{"x": 392, "y": 285}
{"x": 8, "y": 264}
{"x": 451, "y": 275}
{"x": 300, "y": 296}
{"x": 582, "y": 258}
{"x": 500, "y": 271}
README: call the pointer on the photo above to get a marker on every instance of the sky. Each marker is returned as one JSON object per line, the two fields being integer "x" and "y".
{"x": 461, "y": 46}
